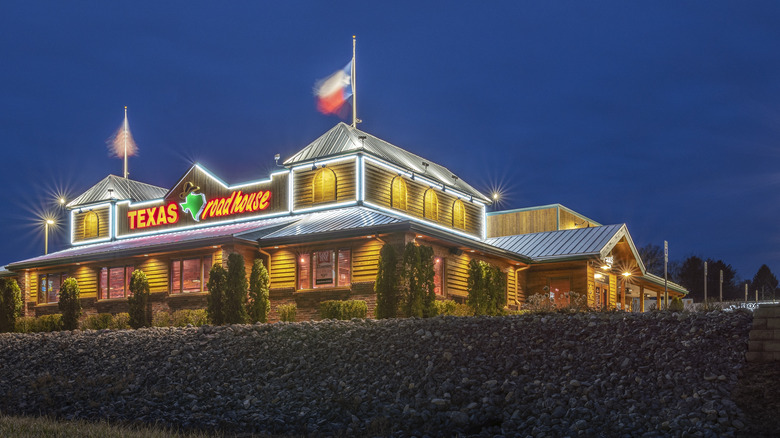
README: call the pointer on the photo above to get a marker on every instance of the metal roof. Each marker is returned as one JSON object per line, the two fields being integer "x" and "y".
{"x": 344, "y": 139}
{"x": 121, "y": 189}
{"x": 562, "y": 244}
{"x": 350, "y": 218}
{"x": 164, "y": 240}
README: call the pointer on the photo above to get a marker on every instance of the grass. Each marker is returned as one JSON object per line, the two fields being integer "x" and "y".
{"x": 24, "y": 427}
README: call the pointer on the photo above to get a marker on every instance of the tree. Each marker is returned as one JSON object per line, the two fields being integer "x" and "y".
{"x": 765, "y": 283}
{"x": 259, "y": 302}
{"x": 730, "y": 289}
{"x": 477, "y": 298}
{"x": 69, "y": 304}
{"x": 653, "y": 258}
{"x": 418, "y": 287}
{"x": 216, "y": 286}
{"x": 426, "y": 275}
{"x": 140, "y": 304}
{"x": 487, "y": 288}
{"x": 236, "y": 286}
{"x": 10, "y": 304}
{"x": 691, "y": 276}
{"x": 387, "y": 284}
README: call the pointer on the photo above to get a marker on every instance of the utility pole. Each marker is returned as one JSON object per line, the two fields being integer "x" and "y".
{"x": 705, "y": 282}
{"x": 721, "y": 285}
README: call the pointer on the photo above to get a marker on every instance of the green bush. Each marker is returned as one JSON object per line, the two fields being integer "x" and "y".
{"x": 101, "y": 321}
{"x": 140, "y": 303}
{"x": 676, "y": 305}
{"x": 46, "y": 323}
{"x": 451, "y": 308}
{"x": 25, "y": 324}
{"x": 417, "y": 281}
{"x": 216, "y": 286}
{"x": 69, "y": 304}
{"x": 386, "y": 285}
{"x": 120, "y": 321}
{"x": 10, "y": 304}
{"x": 487, "y": 288}
{"x": 287, "y": 312}
{"x": 181, "y": 318}
{"x": 161, "y": 319}
{"x": 347, "y": 309}
{"x": 259, "y": 303}
{"x": 236, "y": 288}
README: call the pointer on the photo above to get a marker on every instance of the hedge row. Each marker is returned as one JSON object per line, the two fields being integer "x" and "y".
{"x": 346, "y": 309}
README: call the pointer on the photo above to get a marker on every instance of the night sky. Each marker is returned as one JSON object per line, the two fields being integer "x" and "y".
{"x": 662, "y": 115}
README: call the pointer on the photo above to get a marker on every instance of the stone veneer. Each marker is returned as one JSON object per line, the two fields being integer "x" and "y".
{"x": 764, "y": 341}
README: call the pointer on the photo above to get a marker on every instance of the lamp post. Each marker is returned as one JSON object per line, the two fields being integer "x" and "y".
{"x": 625, "y": 290}
{"x": 46, "y": 233}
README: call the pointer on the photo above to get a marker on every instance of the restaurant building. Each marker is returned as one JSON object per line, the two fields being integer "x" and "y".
{"x": 318, "y": 224}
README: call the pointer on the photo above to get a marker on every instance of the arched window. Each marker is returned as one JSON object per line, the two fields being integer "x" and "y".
{"x": 458, "y": 215}
{"x": 324, "y": 186}
{"x": 431, "y": 205}
{"x": 398, "y": 193}
{"x": 91, "y": 224}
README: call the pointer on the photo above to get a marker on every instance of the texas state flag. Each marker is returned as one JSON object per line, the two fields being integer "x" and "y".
{"x": 332, "y": 92}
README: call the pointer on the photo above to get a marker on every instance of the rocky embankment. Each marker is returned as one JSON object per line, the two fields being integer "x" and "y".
{"x": 531, "y": 375}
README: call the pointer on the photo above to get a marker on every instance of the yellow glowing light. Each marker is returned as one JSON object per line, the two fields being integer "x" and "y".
{"x": 605, "y": 267}
{"x": 50, "y": 221}
{"x": 62, "y": 200}
{"x": 626, "y": 274}
{"x": 598, "y": 275}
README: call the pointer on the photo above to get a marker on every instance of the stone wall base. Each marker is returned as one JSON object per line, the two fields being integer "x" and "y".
{"x": 764, "y": 341}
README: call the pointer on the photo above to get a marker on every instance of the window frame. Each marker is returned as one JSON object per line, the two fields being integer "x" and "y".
{"x": 96, "y": 231}
{"x": 105, "y": 293}
{"x": 202, "y": 278}
{"x": 459, "y": 220}
{"x": 399, "y": 195}
{"x": 43, "y": 297}
{"x": 321, "y": 193}
{"x": 305, "y": 261}
{"x": 431, "y": 211}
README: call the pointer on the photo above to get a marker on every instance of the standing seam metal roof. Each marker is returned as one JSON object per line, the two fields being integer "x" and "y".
{"x": 563, "y": 243}
{"x": 343, "y": 139}
{"x": 121, "y": 189}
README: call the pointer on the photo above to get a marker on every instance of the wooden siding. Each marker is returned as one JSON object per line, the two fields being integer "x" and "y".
{"x": 103, "y": 224}
{"x": 365, "y": 260}
{"x": 522, "y": 222}
{"x": 282, "y": 270}
{"x": 378, "y": 185}
{"x": 156, "y": 270}
{"x": 345, "y": 185}
{"x": 570, "y": 220}
{"x": 87, "y": 277}
{"x": 539, "y": 276}
{"x": 511, "y": 287}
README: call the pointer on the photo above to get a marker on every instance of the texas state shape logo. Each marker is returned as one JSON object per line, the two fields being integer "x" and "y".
{"x": 194, "y": 204}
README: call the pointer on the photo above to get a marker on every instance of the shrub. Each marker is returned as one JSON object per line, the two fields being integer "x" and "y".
{"x": 100, "y": 321}
{"x": 487, "y": 288}
{"x": 676, "y": 305}
{"x": 25, "y": 324}
{"x": 348, "y": 309}
{"x": 181, "y": 318}
{"x": 235, "y": 290}
{"x": 540, "y": 302}
{"x": 259, "y": 303}
{"x": 287, "y": 312}
{"x": 120, "y": 321}
{"x": 69, "y": 304}
{"x": 161, "y": 319}
{"x": 216, "y": 287}
{"x": 10, "y": 304}
{"x": 451, "y": 308}
{"x": 577, "y": 302}
{"x": 46, "y": 323}
{"x": 140, "y": 304}
{"x": 386, "y": 285}
{"x": 418, "y": 287}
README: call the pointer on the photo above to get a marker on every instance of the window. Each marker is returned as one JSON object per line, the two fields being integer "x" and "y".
{"x": 398, "y": 193}
{"x": 437, "y": 278}
{"x": 458, "y": 215}
{"x": 431, "y": 205}
{"x": 190, "y": 275}
{"x": 323, "y": 269}
{"x": 115, "y": 282}
{"x": 91, "y": 224}
{"x": 49, "y": 287}
{"x": 324, "y": 186}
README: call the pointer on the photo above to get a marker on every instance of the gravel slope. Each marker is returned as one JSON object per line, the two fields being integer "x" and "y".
{"x": 611, "y": 374}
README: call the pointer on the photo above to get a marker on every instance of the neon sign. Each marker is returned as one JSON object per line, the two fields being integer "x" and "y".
{"x": 199, "y": 208}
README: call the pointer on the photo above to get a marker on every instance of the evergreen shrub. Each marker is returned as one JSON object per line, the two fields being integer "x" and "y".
{"x": 181, "y": 318}
{"x": 259, "y": 303}
{"x": 387, "y": 286}
{"x": 216, "y": 286}
{"x": 10, "y": 304}
{"x": 69, "y": 304}
{"x": 451, "y": 308}
{"x": 140, "y": 304}
{"x": 287, "y": 312}
{"x": 120, "y": 321}
{"x": 676, "y": 305}
{"x": 343, "y": 309}
{"x": 236, "y": 288}
{"x": 161, "y": 319}
{"x": 101, "y": 321}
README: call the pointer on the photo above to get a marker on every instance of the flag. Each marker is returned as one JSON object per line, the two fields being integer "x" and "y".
{"x": 332, "y": 92}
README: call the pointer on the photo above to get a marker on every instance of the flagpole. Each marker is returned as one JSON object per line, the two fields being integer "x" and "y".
{"x": 354, "y": 88}
{"x": 125, "y": 141}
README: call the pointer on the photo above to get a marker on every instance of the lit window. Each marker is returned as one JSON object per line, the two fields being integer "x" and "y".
{"x": 398, "y": 193}
{"x": 190, "y": 275}
{"x": 437, "y": 279}
{"x": 431, "y": 205}
{"x": 91, "y": 224}
{"x": 323, "y": 269}
{"x": 324, "y": 185}
{"x": 115, "y": 282}
{"x": 458, "y": 215}
{"x": 49, "y": 287}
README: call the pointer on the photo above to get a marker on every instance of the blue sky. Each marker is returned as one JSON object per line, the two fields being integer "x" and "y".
{"x": 663, "y": 115}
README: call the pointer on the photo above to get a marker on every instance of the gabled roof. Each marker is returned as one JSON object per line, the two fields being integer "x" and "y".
{"x": 121, "y": 189}
{"x": 343, "y": 139}
{"x": 563, "y": 244}
{"x": 351, "y": 218}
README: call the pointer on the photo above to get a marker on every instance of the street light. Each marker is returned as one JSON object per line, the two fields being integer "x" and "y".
{"x": 625, "y": 290}
{"x": 46, "y": 232}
